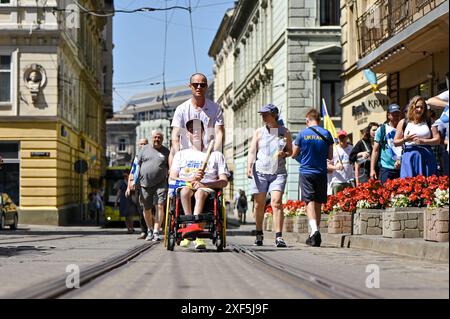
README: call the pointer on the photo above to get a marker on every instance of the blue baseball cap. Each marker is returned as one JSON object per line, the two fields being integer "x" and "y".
{"x": 269, "y": 108}
{"x": 393, "y": 108}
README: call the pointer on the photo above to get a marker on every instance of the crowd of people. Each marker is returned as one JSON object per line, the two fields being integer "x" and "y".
{"x": 409, "y": 143}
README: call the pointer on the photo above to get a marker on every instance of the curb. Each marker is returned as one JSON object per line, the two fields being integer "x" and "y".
{"x": 412, "y": 248}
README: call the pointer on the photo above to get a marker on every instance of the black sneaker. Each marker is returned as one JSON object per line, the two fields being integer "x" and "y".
{"x": 315, "y": 240}
{"x": 279, "y": 242}
{"x": 308, "y": 241}
{"x": 259, "y": 240}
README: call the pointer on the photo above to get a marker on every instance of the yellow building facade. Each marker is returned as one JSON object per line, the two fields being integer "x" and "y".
{"x": 55, "y": 97}
{"x": 405, "y": 43}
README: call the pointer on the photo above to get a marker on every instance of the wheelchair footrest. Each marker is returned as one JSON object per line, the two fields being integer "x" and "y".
{"x": 196, "y": 218}
{"x": 200, "y": 235}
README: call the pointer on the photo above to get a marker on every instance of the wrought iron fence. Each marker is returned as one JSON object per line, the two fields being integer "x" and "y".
{"x": 388, "y": 17}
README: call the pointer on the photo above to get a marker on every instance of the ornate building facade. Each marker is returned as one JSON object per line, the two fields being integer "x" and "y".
{"x": 55, "y": 97}
{"x": 286, "y": 52}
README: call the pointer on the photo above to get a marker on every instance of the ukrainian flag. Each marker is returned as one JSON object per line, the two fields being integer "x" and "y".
{"x": 327, "y": 122}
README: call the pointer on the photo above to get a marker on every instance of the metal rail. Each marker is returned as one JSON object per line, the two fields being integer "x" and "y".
{"x": 312, "y": 284}
{"x": 57, "y": 287}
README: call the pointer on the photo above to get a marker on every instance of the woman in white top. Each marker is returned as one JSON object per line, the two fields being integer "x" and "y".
{"x": 416, "y": 134}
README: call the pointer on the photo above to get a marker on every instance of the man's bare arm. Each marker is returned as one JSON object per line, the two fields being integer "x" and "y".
{"x": 175, "y": 144}
{"x": 219, "y": 132}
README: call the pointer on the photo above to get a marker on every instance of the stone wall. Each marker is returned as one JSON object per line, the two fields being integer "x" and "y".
{"x": 403, "y": 222}
{"x": 436, "y": 224}
{"x": 340, "y": 223}
{"x": 368, "y": 222}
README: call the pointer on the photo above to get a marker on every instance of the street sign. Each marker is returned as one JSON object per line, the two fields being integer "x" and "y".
{"x": 81, "y": 166}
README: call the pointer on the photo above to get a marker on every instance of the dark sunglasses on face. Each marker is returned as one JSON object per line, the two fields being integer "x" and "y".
{"x": 202, "y": 85}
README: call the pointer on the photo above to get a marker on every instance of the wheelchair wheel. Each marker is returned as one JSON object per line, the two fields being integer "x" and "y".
{"x": 171, "y": 242}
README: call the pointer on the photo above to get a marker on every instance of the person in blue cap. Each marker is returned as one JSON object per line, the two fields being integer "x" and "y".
{"x": 266, "y": 166}
{"x": 385, "y": 154}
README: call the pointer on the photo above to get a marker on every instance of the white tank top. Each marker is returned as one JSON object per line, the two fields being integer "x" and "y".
{"x": 421, "y": 130}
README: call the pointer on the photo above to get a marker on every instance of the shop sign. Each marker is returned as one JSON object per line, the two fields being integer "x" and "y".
{"x": 373, "y": 103}
{"x": 40, "y": 154}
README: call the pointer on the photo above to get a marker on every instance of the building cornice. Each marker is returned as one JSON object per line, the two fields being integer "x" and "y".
{"x": 241, "y": 17}
{"x": 314, "y": 32}
{"x": 221, "y": 35}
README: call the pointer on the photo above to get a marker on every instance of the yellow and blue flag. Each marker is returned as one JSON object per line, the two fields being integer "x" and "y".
{"x": 327, "y": 122}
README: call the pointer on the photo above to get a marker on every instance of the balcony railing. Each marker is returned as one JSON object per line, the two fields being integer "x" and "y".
{"x": 388, "y": 17}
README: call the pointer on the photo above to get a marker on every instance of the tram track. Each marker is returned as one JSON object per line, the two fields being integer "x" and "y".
{"x": 56, "y": 288}
{"x": 38, "y": 239}
{"x": 316, "y": 286}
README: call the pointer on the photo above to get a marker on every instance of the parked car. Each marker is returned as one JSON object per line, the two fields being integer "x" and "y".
{"x": 8, "y": 212}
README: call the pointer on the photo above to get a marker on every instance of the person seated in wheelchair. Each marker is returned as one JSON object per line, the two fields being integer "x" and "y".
{"x": 186, "y": 166}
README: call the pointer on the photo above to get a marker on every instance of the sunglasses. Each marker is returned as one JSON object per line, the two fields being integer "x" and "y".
{"x": 202, "y": 85}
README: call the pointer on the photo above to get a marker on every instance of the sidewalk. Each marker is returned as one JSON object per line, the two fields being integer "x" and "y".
{"x": 407, "y": 247}
{"x": 416, "y": 248}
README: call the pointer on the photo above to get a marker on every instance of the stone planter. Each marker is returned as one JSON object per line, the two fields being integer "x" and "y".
{"x": 288, "y": 224}
{"x": 368, "y": 222}
{"x": 301, "y": 224}
{"x": 403, "y": 222}
{"x": 340, "y": 223}
{"x": 436, "y": 224}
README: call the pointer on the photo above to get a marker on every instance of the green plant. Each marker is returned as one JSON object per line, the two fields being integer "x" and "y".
{"x": 400, "y": 201}
{"x": 441, "y": 198}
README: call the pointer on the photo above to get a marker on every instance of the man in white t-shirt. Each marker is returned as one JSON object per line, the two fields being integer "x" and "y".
{"x": 343, "y": 171}
{"x": 186, "y": 167}
{"x": 197, "y": 107}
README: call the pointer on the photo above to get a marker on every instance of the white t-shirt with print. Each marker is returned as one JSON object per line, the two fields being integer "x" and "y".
{"x": 211, "y": 115}
{"x": 348, "y": 173}
{"x": 187, "y": 162}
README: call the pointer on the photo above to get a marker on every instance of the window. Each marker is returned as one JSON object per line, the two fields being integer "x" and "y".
{"x": 5, "y": 78}
{"x": 331, "y": 92}
{"x": 5, "y": 1}
{"x": 122, "y": 144}
{"x": 330, "y": 12}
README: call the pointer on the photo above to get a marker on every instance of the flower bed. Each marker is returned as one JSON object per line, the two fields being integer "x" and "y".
{"x": 419, "y": 191}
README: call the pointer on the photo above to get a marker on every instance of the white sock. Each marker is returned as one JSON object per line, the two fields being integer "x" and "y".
{"x": 313, "y": 225}
{"x": 150, "y": 230}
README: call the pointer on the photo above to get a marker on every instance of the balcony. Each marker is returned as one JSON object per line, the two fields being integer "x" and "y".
{"x": 387, "y": 18}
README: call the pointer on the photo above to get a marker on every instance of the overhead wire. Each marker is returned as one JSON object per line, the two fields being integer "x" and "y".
{"x": 192, "y": 34}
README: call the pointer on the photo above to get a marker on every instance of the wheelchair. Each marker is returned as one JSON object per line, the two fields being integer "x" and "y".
{"x": 213, "y": 217}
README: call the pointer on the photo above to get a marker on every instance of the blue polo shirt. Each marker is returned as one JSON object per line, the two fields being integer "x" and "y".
{"x": 313, "y": 151}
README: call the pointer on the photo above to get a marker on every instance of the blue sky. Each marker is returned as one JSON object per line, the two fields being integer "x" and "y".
{"x": 139, "y": 44}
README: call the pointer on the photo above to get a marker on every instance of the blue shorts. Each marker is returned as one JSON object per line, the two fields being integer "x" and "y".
{"x": 266, "y": 183}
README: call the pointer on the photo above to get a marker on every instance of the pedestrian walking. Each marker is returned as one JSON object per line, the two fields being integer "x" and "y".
{"x": 242, "y": 207}
{"x": 159, "y": 201}
{"x": 315, "y": 146}
{"x": 134, "y": 191}
{"x": 361, "y": 154}
{"x": 197, "y": 107}
{"x": 385, "y": 154}
{"x": 266, "y": 166}
{"x": 95, "y": 206}
{"x": 343, "y": 171}
{"x": 416, "y": 135}
{"x": 153, "y": 172}
{"x": 127, "y": 207}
